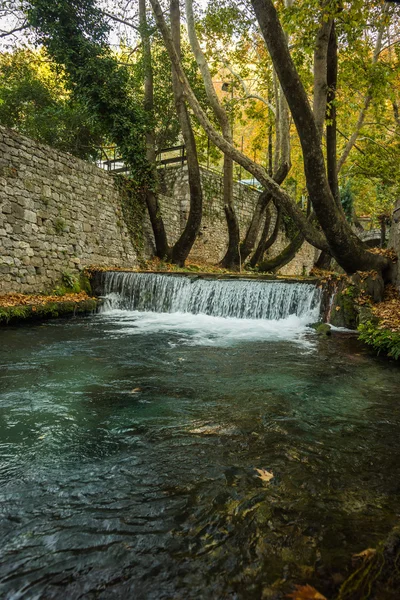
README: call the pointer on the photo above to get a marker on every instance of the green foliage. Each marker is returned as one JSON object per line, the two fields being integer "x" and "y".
{"x": 382, "y": 340}
{"x": 75, "y": 35}
{"x": 14, "y": 314}
{"x": 59, "y": 226}
{"x": 35, "y": 101}
{"x": 70, "y": 284}
{"x": 291, "y": 229}
{"x": 347, "y": 200}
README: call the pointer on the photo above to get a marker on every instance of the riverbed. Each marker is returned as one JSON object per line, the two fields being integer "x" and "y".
{"x": 130, "y": 443}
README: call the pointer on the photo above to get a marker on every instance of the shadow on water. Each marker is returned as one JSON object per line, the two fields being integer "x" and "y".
{"x": 128, "y": 461}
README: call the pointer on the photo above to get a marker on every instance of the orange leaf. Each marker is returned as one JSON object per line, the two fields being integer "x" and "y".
{"x": 306, "y": 592}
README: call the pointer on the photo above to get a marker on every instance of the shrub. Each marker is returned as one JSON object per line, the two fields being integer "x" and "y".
{"x": 382, "y": 340}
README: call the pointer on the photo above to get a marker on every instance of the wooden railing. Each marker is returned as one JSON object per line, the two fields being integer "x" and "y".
{"x": 116, "y": 164}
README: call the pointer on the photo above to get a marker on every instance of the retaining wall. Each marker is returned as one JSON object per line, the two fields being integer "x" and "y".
{"x": 59, "y": 214}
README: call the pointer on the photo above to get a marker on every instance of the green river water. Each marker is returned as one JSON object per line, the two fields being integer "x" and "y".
{"x": 129, "y": 449}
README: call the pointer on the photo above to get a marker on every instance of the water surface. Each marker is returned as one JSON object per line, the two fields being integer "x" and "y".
{"x": 129, "y": 443}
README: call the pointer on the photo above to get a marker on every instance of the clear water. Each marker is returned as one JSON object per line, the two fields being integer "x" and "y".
{"x": 129, "y": 443}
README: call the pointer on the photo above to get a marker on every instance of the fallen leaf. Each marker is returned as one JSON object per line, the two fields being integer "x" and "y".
{"x": 365, "y": 554}
{"x": 306, "y": 592}
{"x": 265, "y": 475}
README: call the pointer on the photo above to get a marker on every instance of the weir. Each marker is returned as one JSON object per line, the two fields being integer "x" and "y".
{"x": 241, "y": 298}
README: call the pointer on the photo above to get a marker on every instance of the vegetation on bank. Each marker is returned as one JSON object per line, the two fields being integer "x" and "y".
{"x": 382, "y": 331}
{"x": 21, "y": 307}
{"x": 70, "y": 297}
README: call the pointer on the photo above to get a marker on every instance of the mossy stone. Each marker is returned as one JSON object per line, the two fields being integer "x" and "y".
{"x": 344, "y": 312}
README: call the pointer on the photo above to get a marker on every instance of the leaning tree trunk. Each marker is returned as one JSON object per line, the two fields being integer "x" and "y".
{"x": 346, "y": 247}
{"x": 160, "y": 236}
{"x": 231, "y": 259}
{"x": 284, "y": 257}
{"x": 184, "y": 244}
{"x": 266, "y": 242}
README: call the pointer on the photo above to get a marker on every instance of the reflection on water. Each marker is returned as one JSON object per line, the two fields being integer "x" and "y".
{"x": 129, "y": 444}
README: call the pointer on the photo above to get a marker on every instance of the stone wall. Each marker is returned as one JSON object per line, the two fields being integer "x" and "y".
{"x": 57, "y": 215}
{"x": 212, "y": 241}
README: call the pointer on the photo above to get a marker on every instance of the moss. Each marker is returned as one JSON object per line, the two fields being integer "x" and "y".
{"x": 15, "y": 314}
{"x": 84, "y": 283}
{"x": 344, "y": 312}
{"x": 322, "y": 328}
{"x": 59, "y": 226}
{"x": 133, "y": 210}
{"x": 379, "y": 574}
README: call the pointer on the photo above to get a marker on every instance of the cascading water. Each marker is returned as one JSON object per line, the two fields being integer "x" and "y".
{"x": 240, "y": 299}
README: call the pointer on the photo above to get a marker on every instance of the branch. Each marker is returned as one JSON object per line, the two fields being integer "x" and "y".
{"x": 281, "y": 196}
{"x": 367, "y": 99}
{"x": 219, "y": 110}
{"x": 127, "y": 23}
{"x": 4, "y": 34}
{"x": 249, "y": 95}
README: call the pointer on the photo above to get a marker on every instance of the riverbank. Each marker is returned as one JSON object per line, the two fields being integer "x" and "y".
{"x": 15, "y": 308}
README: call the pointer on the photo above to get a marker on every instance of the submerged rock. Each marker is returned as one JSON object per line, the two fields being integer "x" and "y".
{"x": 322, "y": 328}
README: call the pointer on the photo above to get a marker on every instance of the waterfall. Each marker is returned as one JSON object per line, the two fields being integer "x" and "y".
{"x": 240, "y": 298}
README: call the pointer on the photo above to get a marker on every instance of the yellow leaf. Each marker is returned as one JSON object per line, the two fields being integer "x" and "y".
{"x": 264, "y": 475}
{"x": 365, "y": 554}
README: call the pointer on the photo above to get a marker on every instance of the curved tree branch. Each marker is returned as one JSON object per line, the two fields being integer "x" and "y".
{"x": 312, "y": 235}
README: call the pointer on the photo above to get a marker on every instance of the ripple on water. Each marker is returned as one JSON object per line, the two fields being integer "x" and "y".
{"x": 128, "y": 461}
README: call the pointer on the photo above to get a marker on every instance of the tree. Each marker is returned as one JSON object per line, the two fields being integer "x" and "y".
{"x": 340, "y": 239}
{"x": 35, "y": 101}
{"x": 75, "y": 34}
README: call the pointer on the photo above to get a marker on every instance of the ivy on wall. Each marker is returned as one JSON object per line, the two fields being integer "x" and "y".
{"x": 133, "y": 211}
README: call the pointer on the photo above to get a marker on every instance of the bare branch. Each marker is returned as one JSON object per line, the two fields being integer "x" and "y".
{"x": 248, "y": 95}
{"x": 4, "y": 34}
{"x": 367, "y": 98}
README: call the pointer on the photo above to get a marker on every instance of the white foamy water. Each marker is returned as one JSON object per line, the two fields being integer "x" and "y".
{"x": 209, "y": 311}
{"x": 206, "y": 330}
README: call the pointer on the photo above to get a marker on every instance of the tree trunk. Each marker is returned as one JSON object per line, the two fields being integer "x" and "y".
{"x": 184, "y": 244}
{"x": 265, "y": 241}
{"x": 348, "y": 250}
{"x": 325, "y": 258}
{"x": 231, "y": 259}
{"x": 160, "y": 236}
{"x": 285, "y": 256}
{"x": 320, "y": 74}
{"x": 331, "y": 159}
{"x": 264, "y": 199}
